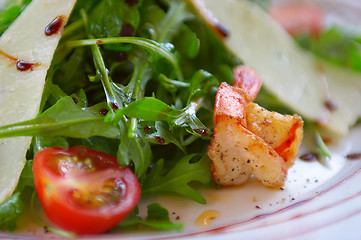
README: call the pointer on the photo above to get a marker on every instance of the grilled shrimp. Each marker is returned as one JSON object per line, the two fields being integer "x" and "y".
{"x": 248, "y": 139}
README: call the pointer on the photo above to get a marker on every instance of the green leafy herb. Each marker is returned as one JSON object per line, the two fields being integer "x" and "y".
{"x": 10, "y": 210}
{"x": 9, "y": 12}
{"x": 65, "y": 118}
{"x": 14, "y": 206}
{"x": 335, "y": 46}
{"x": 157, "y": 218}
{"x": 177, "y": 179}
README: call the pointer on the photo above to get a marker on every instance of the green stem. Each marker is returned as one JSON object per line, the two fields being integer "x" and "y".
{"x": 99, "y": 64}
{"x": 321, "y": 146}
{"x": 148, "y": 44}
{"x": 76, "y": 25}
{"x": 26, "y": 128}
{"x": 170, "y": 20}
{"x": 137, "y": 78}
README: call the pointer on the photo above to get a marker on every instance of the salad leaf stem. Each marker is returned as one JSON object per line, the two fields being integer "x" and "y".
{"x": 65, "y": 118}
{"x": 76, "y": 25}
{"x": 137, "y": 78}
{"x": 100, "y": 66}
{"x": 148, "y": 44}
{"x": 322, "y": 149}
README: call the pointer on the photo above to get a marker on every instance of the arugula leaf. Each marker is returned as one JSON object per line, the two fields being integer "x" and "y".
{"x": 152, "y": 109}
{"x": 164, "y": 25}
{"x": 14, "y": 206}
{"x": 7, "y": 17}
{"x": 64, "y": 118}
{"x": 162, "y": 135}
{"x": 157, "y": 218}
{"x": 335, "y": 46}
{"x": 177, "y": 179}
{"x": 26, "y": 177}
{"x": 10, "y": 210}
{"x": 134, "y": 150}
{"x": 10, "y": 12}
{"x": 175, "y": 16}
{"x": 154, "y": 48}
{"x": 106, "y": 19}
{"x": 148, "y": 109}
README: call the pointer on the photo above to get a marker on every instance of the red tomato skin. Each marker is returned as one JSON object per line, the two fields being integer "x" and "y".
{"x": 64, "y": 213}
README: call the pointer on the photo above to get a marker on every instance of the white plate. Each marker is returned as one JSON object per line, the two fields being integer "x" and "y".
{"x": 317, "y": 202}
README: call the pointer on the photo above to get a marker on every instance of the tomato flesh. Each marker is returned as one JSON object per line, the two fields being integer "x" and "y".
{"x": 82, "y": 190}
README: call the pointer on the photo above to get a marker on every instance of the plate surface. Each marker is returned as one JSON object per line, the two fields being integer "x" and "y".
{"x": 318, "y": 201}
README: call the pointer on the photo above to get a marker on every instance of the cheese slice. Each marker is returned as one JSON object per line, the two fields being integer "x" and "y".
{"x": 25, "y": 46}
{"x": 295, "y": 76}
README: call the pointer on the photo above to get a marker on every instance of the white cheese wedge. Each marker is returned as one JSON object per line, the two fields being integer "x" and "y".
{"x": 295, "y": 76}
{"x": 21, "y": 91}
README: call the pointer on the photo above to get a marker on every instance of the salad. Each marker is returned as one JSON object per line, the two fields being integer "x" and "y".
{"x": 126, "y": 112}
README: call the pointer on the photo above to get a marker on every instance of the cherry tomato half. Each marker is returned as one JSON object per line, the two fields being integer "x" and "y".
{"x": 82, "y": 190}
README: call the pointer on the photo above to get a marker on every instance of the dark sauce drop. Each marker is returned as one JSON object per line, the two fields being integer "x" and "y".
{"x": 159, "y": 139}
{"x": 131, "y": 2}
{"x": 354, "y": 156}
{"x": 24, "y": 66}
{"x": 20, "y": 64}
{"x": 202, "y": 132}
{"x": 309, "y": 157}
{"x": 114, "y": 106}
{"x": 147, "y": 129}
{"x": 330, "y": 105}
{"x": 103, "y": 111}
{"x": 122, "y": 56}
{"x": 54, "y": 26}
{"x": 75, "y": 100}
{"x": 127, "y": 30}
{"x": 221, "y": 29}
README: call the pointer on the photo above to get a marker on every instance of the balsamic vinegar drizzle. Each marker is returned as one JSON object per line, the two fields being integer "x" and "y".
{"x": 221, "y": 29}
{"x": 309, "y": 157}
{"x": 20, "y": 64}
{"x": 54, "y": 26}
{"x": 354, "y": 156}
{"x": 24, "y": 66}
{"x": 131, "y": 2}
